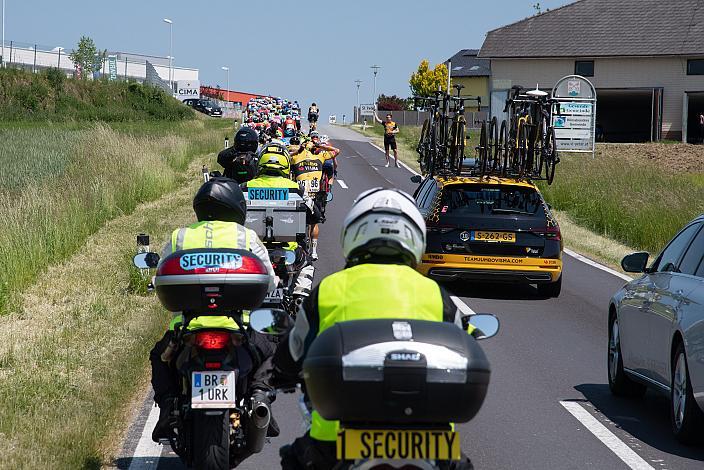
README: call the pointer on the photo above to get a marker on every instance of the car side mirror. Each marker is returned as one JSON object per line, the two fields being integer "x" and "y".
{"x": 271, "y": 321}
{"x": 416, "y": 179}
{"x": 635, "y": 262}
{"x": 146, "y": 260}
{"x": 485, "y": 325}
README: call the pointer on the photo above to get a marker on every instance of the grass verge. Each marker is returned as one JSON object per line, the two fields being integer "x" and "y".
{"x": 627, "y": 196}
{"x": 60, "y": 184}
{"x": 73, "y": 354}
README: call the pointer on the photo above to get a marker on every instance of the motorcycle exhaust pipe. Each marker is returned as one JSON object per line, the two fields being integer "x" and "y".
{"x": 258, "y": 424}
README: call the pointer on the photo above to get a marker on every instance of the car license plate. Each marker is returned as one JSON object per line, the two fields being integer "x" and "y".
{"x": 277, "y": 295}
{"x": 493, "y": 237}
{"x": 398, "y": 444}
{"x": 213, "y": 389}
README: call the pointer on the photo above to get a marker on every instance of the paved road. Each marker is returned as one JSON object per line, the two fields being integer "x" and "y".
{"x": 548, "y": 405}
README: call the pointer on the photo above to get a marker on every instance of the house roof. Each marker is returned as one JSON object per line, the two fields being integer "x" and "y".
{"x": 466, "y": 64}
{"x": 604, "y": 28}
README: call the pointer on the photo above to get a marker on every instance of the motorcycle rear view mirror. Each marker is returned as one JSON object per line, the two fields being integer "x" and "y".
{"x": 328, "y": 196}
{"x": 416, "y": 179}
{"x": 146, "y": 260}
{"x": 270, "y": 321}
{"x": 485, "y": 324}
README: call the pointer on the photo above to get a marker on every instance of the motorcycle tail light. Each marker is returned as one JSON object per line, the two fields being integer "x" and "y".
{"x": 212, "y": 339}
{"x": 213, "y": 365}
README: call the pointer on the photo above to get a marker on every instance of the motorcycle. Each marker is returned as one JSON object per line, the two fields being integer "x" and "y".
{"x": 216, "y": 422}
{"x": 288, "y": 267}
{"x": 395, "y": 386}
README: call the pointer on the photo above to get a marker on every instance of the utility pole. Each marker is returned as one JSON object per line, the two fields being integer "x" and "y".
{"x": 358, "y": 82}
{"x": 3, "y": 34}
{"x": 171, "y": 52}
{"x": 375, "y": 68}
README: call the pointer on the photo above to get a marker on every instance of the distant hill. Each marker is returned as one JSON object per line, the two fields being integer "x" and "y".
{"x": 51, "y": 96}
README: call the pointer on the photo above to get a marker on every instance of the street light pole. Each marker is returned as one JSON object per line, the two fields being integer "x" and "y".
{"x": 375, "y": 68}
{"x": 227, "y": 69}
{"x": 171, "y": 52}
{"x": 358, "y": 82}
{"x": 3, "y": 34}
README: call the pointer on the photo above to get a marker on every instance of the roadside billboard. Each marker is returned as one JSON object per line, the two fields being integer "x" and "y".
{"x": 575, "y": 124}
{"x": 186, "y": 89}
{"x": 112, "y": 67}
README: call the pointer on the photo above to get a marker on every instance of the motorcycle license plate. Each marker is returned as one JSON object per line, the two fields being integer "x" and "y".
{"x": 398, "y": 444}
{"x": 213, "y": 389}
{"x": 277, "y": 295}
{"x": 493, "y": 237}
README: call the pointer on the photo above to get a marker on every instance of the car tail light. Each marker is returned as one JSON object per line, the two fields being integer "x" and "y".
{"x": 212, "y": 339}
{"x": 553, "y": 233}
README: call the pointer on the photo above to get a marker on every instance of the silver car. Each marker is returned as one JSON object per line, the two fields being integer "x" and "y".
{"x": 656, "y": 330}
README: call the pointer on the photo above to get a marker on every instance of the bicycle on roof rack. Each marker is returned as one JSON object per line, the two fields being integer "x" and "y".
{"x": 441, "y": 147}
{"x": 527, "y": 143}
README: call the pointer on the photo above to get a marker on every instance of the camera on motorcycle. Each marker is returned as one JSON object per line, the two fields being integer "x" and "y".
{"x": 146, "y": 260}
{"x": 486, "y": 325}
{"x": 416, "y": 179}
{"x": 270, "y": 321}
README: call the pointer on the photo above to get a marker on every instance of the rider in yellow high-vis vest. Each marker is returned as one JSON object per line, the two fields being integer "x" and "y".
{"x": 221, "y": 210}
{"x": 383, "y": 238}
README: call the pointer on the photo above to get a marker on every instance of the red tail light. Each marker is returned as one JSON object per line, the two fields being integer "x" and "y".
{"x": 553, "y": 233}
{"x": 212, "y": 339}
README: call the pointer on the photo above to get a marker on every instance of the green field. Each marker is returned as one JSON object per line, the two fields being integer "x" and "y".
{"x": 61, "y": 183}
{"x": 628, "y": 196}
{"x": 50, "y": 96}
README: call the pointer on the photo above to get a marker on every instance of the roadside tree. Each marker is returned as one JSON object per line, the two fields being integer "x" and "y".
{"x": 86, "y": 57}
{"x": 391, "y": 103}
{"x": 426, "y": 81}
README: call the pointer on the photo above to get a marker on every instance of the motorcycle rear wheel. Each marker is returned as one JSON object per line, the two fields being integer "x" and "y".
{"x": 211, "y": 441}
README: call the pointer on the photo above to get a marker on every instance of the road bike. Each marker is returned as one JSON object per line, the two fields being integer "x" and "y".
{"x": 529, "y": 145}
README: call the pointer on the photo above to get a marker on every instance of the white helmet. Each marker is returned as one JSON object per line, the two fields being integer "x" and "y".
{"x": 383, "y": 224}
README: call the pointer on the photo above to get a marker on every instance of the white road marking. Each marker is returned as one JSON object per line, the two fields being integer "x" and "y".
{"x": 609, "y": 439}
{"x": 402, "y": 164}
{"x": 461, "y": 306}
{"x": 146, "y": 454}
{"x": 586, "y": 260}
{"x": 342, "y": 183}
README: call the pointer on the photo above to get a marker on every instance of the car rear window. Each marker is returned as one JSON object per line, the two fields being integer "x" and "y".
{"x": 462, "y": 200}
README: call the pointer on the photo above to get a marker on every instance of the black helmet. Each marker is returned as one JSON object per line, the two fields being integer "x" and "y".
{"x": 246, "y": 140}
{"x": 295, "y": 140}
{"x": 220, "y": 199}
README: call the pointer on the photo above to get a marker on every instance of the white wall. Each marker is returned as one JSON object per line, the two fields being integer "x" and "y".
{"x": 134, "y": 69}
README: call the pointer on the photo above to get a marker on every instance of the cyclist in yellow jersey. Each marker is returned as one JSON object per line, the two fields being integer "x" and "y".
{"x": 308, "y": 172}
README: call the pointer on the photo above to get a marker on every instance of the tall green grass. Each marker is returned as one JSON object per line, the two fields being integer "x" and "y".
{"x": 59, "y": 186}
{"x": 50, "y": 96}
{"x": 633, "y": 201}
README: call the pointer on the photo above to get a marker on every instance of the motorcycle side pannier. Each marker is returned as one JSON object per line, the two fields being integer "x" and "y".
{"x": 211, "y": 281}
{"x": 396, "y": 371}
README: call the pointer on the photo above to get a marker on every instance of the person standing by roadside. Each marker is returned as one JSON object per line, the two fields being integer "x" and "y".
{"x": 701, "y": 127}
{"x": 390, "y": 131}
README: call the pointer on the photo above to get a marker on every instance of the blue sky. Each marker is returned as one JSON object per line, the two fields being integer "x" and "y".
{"x": 305, "y": 50}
